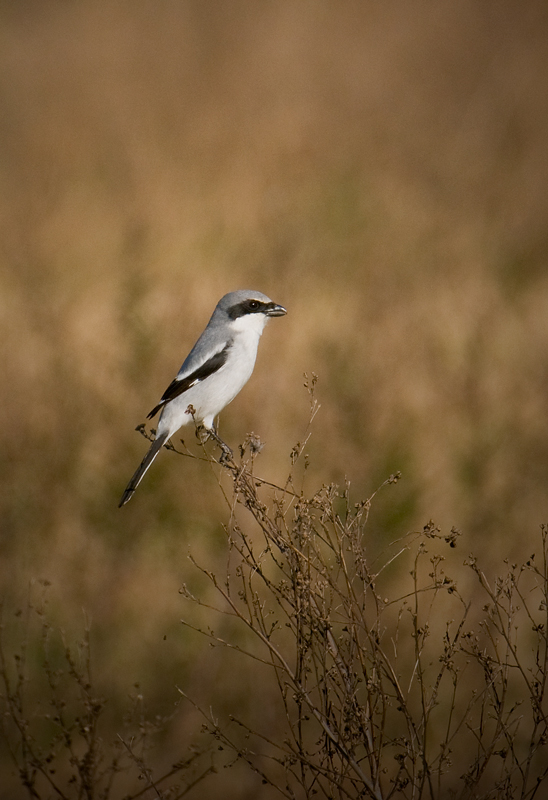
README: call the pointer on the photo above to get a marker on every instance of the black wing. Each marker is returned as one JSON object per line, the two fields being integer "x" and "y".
{"x": 180, "y": 385}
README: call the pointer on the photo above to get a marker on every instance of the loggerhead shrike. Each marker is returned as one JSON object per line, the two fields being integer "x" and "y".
{"x": 216, "y": 369}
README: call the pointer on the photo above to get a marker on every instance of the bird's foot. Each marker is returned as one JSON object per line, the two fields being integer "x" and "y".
{"x": 226, "y": 454}
{"x": 202, "y": 434}
{"x": 226, "y": 451}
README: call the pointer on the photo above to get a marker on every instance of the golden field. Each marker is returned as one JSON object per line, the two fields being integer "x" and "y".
{"x": 380, "y": 170}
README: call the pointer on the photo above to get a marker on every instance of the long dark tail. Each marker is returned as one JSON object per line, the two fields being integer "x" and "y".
{"x": 153, "y": 451}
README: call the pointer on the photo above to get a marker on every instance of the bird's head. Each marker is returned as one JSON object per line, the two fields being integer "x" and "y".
{"x": 249, "y": 309}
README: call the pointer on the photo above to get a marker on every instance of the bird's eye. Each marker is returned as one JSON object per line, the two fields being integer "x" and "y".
{"x": 254, "y": 305}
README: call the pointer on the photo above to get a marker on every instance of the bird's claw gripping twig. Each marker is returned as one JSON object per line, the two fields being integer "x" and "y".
{"x": 226, "y": 451}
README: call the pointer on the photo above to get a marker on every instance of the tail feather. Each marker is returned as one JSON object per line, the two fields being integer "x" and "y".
{"x": 153, "y": 451}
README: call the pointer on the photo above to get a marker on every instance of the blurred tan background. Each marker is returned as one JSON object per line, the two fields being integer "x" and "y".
{"x": 381, "y": 169}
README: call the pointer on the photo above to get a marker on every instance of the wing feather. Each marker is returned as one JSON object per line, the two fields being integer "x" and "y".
{"x": 180, "y": 385}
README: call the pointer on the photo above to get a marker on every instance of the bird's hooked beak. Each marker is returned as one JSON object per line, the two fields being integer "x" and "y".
{"x": 274, "y": 310}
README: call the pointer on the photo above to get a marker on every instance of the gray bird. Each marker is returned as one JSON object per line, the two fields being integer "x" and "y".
{"x": 216, "y": 369}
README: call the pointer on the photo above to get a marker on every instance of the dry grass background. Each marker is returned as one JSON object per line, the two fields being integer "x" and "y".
{"x": 380, "y": 169}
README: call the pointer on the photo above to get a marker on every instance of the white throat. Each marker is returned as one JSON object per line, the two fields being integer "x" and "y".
{"x": 250, "y": 324}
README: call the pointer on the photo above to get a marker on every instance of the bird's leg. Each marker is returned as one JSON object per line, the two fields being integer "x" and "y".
{"x": 226, "y": 453}
{"x": 202, "y": 433}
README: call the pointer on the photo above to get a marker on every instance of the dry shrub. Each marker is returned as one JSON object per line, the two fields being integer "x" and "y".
{"x": 373, "y": 674}
{"x": 65, "y": 738}
{"x": 392, "y": 681}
